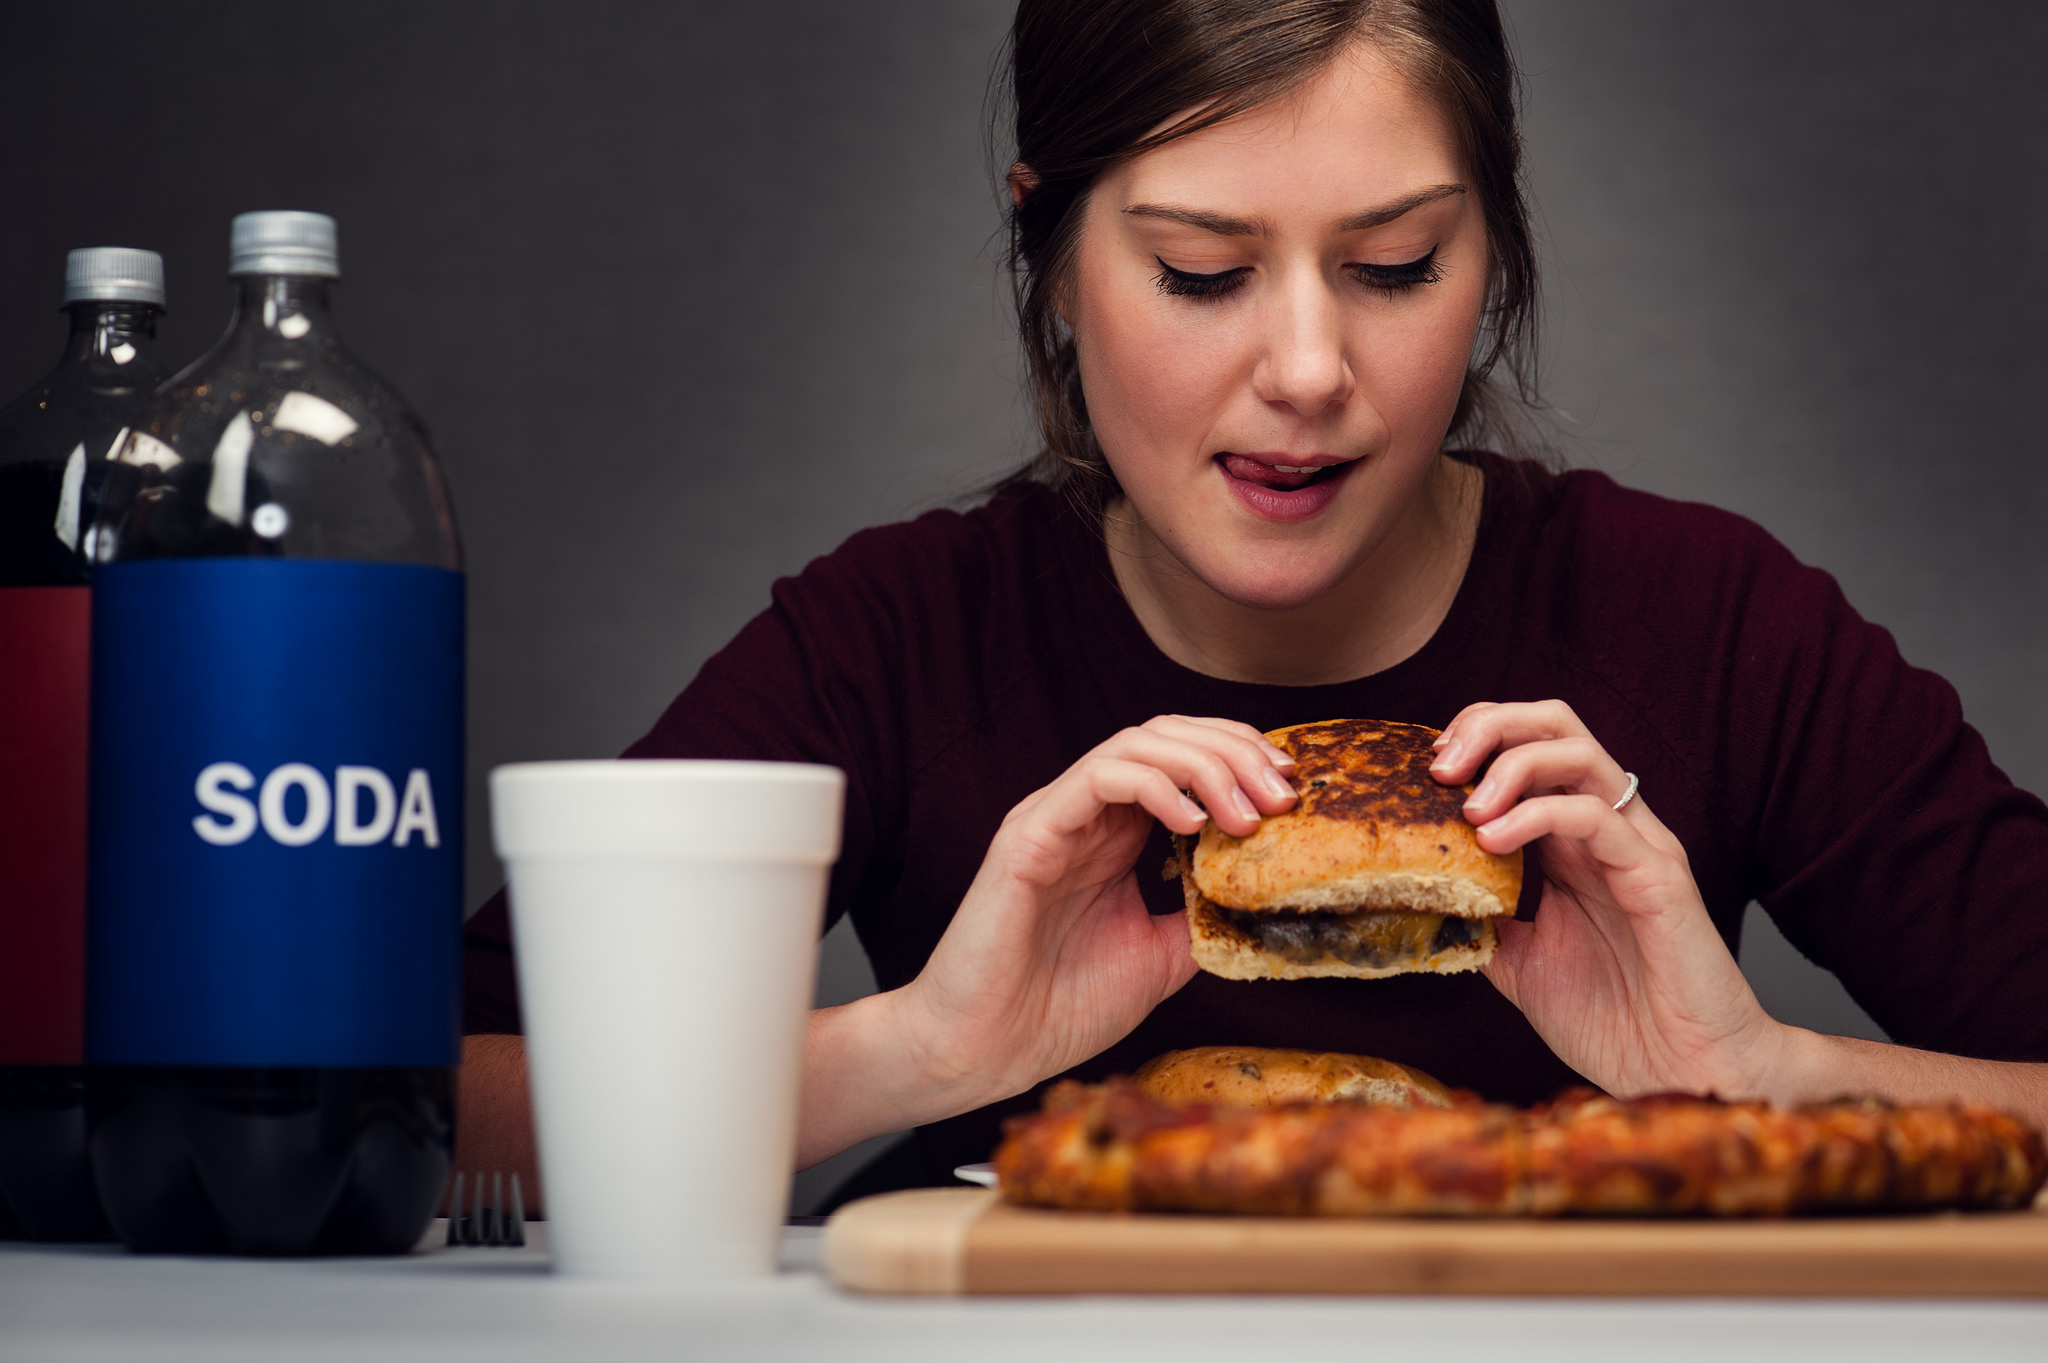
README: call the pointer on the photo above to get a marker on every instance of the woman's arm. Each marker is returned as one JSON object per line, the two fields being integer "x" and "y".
{"x": 866, "y": 1074}
{"x": 494, "y": 1114}
{"x": 1814, "y": 1067}
{"x": 1623, "y": 973}
{"x": 1052, "y": 956}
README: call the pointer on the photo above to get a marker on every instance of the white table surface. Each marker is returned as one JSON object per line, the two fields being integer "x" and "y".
{"x": 505, "y": 1306}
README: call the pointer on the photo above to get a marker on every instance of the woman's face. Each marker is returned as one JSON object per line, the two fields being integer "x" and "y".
{"x": 1273, "y": 318}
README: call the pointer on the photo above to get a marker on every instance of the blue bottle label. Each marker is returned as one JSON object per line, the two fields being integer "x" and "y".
{"x": 276, "y": 863}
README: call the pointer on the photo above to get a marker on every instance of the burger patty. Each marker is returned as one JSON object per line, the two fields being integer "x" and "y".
{"x": 1371, "y": 938}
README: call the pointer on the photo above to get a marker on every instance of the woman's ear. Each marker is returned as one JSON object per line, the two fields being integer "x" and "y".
{"x": 1022, "y": 181}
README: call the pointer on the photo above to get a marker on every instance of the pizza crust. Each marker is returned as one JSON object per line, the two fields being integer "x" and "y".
{"x": 1114, "y": 1148}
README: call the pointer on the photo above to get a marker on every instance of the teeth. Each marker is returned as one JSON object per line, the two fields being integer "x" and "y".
{"x": 1287, "y": 468}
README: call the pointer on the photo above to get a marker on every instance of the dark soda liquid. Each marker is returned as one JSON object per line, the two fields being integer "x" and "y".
{"x": 46, "y": 1187}
{"x": 280, "y": 1161}
{"x": 46, "y": 1184}
{"x": 31, "y": 555}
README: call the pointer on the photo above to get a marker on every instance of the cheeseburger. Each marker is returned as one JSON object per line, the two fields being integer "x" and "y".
{"x": 1374, "y": 871}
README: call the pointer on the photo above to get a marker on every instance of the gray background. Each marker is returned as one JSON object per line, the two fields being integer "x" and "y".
{"x": 691, "y": 291}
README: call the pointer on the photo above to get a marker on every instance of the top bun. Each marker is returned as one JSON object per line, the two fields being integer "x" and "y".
{"x": 1372, "y": 830}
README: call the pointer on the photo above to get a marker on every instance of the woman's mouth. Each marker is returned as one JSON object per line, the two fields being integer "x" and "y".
{"x": 1278, "y": 487}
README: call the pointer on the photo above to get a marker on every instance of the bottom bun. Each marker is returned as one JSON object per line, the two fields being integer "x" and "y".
{"x": 1360, "y": 946}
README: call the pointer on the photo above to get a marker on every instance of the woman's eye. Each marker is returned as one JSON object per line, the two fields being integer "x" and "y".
{"x": 1393, "y": 279}
{"x": 1388, "y": 279}
{"x": 1182, "y": 284}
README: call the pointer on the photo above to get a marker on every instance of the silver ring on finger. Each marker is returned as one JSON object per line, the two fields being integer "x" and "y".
{"x": 1627, "y": 796}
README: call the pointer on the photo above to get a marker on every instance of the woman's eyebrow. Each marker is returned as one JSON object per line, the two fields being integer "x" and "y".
{"x": 1223, "y": 225}
{"x": 1407, "y": 203}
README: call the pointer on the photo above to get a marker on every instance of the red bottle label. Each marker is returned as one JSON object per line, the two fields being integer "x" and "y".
{"x": 45, "y": 665}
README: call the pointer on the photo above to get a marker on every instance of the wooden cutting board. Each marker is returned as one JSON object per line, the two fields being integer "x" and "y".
{"x": 949, "y": 1241}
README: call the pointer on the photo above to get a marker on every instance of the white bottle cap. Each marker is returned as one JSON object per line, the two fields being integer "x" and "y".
{"x": 118, "y": 274}
{"x": 283, "y": 243}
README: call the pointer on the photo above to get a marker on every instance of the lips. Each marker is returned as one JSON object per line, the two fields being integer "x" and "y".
{"x": 1284, "y": 487}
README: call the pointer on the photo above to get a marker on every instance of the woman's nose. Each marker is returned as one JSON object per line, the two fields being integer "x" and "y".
{"x": 1304, "y": 365}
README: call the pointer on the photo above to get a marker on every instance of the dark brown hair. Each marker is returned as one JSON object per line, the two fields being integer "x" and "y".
{"x": 1089, "y": 80}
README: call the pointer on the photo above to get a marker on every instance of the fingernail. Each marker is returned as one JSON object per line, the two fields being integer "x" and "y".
{"x": 1480, "y": 794}
{"x": 1442, "y": 739}
{"x": 1276, "y": 785}
{"x": 1447, "y": 758}
{"x": 1243, "y": 805}
{"x": 1193, "y": 810}
{"x": 1282, "y": 760}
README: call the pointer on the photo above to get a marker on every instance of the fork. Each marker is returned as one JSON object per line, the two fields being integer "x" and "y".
{"x": 489, "y": 1220}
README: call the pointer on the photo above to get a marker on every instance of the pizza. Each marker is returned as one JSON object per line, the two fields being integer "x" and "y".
{"x": 1113, "y": 1148}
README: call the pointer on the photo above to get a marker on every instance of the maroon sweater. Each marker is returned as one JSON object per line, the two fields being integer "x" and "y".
{"x": 954, "y": 664}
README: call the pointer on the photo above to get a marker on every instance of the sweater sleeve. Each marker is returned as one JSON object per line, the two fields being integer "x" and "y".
{"x": 1887, "y": 845}
{"x": 817, "y": 677}
{"x": 792, "y": 686}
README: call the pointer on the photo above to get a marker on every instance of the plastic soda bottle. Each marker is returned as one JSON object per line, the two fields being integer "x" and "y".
{"x": 55, "y": 441}
{"x": 273, "y": 961}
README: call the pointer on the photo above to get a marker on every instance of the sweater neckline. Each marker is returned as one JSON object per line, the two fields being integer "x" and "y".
{"x": 1130, "y": 647}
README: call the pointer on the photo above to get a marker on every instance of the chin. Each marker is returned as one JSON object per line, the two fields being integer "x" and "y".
{"x": 1282, "y": 584}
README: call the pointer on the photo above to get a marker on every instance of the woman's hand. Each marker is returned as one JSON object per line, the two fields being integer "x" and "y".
{"x": 1623, "y": 973}
{"x": 1051, "y": 957}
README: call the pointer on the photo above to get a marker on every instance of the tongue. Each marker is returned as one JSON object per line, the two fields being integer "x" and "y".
{"x": 1265, "y": 475}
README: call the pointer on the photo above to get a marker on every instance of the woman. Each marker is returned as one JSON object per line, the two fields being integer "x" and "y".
{"x": 1268, "y": 255}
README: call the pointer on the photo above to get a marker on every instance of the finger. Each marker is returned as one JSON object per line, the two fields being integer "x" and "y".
{"x": 1226, "y": 771}
{"x": 1218, "y": 783}
{"x": 1171, "y": 932}
{"x": 1479, "y": 731}
{"x": 1443, "y": 737}
{"x": 1275, "y": 754}
{"x": 1559, "y": 765}
{"x": 1589, "y": 821}
{"x": 1070, "y": 804}
{"x": 1224, "y": 736}
{"x": 1513, "y": 943}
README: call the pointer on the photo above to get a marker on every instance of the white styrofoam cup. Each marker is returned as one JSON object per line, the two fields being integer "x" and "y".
{"x": 666, "y": 918}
